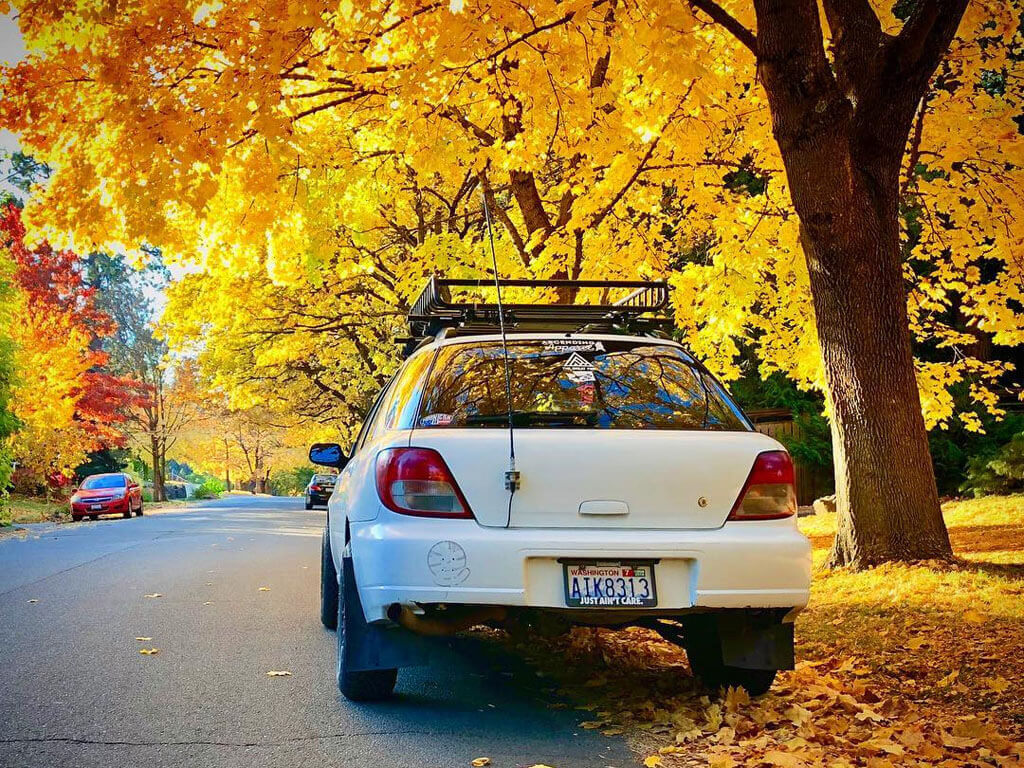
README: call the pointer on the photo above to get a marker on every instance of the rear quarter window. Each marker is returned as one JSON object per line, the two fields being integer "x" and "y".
{"x": 575, "y": 383}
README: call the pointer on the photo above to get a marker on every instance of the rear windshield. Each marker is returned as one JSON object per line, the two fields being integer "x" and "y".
{"x": 107, "y": 481}
{"x": 580, "y": 383}
{"x": 323, "y": 478}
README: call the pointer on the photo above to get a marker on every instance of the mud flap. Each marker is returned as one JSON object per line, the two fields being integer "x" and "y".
{"x": 755, "y": 642}
{"x": 376, "y": 646}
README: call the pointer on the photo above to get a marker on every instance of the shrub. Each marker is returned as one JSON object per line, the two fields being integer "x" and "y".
{"x": 211, "y": 488}
{"x": 1001, "y": 471}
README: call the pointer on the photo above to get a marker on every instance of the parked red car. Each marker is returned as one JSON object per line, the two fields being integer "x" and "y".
{"x": 108, "y": 494}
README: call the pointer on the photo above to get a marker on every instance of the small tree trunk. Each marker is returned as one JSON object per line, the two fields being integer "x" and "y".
{"x": 158, "y": 470}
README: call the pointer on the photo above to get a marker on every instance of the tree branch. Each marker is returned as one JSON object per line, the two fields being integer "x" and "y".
{"x": 723, "y": 18}
{"x": 857, "y": 35}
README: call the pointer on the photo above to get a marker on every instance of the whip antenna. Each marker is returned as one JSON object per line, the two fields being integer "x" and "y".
{"x": 512, "y": 475}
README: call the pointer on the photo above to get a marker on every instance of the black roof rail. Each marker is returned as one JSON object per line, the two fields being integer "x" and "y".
{"x": 639, "y": 310}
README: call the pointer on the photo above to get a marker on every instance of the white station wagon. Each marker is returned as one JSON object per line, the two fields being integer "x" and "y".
{"x": 560, "y": 473}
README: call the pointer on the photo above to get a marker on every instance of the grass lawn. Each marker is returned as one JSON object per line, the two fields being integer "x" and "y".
{"x": 903, "y": 665}
{"x": 27, "y": 509}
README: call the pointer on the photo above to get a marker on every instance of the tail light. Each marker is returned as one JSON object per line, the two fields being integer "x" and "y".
{"x": 315, "y": 488}
{"x": 416, "y": 481}
{"x": 770, "y": 491}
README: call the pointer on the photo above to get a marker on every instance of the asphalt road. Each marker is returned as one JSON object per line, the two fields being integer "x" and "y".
{"x": 75, "y": 691}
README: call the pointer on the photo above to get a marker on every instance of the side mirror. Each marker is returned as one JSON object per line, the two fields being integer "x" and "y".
{"x": 327, "y": 455}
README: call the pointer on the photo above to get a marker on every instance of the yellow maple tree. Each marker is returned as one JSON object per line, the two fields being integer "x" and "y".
{"x": 310, "y": 162}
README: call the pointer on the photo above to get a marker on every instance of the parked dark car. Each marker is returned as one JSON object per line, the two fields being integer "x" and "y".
{"x": 319, "y": 490}
{"x": 113, "y": 493}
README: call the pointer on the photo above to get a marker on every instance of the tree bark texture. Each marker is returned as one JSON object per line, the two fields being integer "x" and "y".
{"x": 842, "y": 127}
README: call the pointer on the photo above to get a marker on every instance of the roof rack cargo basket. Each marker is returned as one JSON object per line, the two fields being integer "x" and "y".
{"x": 639, "y": 307}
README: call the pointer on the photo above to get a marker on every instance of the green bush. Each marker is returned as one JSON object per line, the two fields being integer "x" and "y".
{"x": 997, "y": 472}
{"x": 291, "y": 482}
{"x": 211, "y": 488}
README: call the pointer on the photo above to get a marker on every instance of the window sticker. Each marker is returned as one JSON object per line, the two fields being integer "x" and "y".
{"x": 586, "y": 391}
{"x": 561, "y": 346}
{"x": 579, "y": 369}
{"x": 436, "y": 420}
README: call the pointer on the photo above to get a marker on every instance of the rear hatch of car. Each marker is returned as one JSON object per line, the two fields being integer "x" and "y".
{"x": 608, "y": 433}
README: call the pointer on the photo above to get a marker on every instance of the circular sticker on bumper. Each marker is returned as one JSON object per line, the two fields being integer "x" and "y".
{"x": 447, "y": 563}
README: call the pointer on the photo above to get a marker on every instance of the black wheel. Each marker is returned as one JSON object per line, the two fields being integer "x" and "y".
{"x": 309, "y": 503}
{"x": 704, "y": 652}
{"x": 128, "y": 512}
{"x": 328, "y": 584}
{"x": 94, "y": 517}
{"x": 368, "y": 685}
{"x": 138, "y": 511}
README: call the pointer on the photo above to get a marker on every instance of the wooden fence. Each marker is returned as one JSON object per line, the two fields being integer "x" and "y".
{"x": 813, "y": 481}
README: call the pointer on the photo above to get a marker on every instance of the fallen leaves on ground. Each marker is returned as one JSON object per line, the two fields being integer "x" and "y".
{"x": 149, "y": 651}
{"x": 33, "y": 600}
{"x": 479, "y": 762}
{"x": 143, "y": 639}
{"x": 279, "y": 673}
{"x": 154, "y": 594}
{"x": 264, "y": 589}
{"x": 903, "y": 665}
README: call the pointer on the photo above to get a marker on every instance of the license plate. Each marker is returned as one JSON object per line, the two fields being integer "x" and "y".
{"x": 95, "y": 506}
{"x": 610, "y": 585}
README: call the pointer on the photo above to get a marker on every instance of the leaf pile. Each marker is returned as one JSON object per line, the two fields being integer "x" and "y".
{"x": 902, "y": 665}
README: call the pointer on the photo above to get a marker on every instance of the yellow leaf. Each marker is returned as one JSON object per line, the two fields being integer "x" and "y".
{"x": 721, "y": 761}
{"x": 143, "y": 639}
{"x": 997, "y": 684}
{"x": 652, "y": 761}
{"x": 735, "y": 698}
{"x": 783, "y": 759}
{"x": 155, "y": 594}
{"x": 149, "y": 651}
{"x": 973, "y": 617}
{"x": 264, "y": 589}
{"x": 279, "y": 673}
{"x": 478, "y": 762}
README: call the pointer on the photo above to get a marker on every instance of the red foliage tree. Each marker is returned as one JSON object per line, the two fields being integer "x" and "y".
{"x": 53, "y": 283}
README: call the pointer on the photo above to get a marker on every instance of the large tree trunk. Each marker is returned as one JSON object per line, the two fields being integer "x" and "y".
{"x": 842, "y": 128}
{"x": 885, "y": 484}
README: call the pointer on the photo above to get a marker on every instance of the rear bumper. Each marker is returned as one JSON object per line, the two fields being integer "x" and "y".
{"x": 750, "y": 564}
{"x": 318, "y": 498}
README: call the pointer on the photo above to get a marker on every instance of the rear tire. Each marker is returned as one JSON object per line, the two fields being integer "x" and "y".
{"x": 94, "y": 517}
{"x": 704, "y": 652}
{"x": 328, "y": 584}
{"x": 127, "y": 514}
{"x": 309, "y": 503}
{"x": 138, "y": 512}
{"x": 366, "y": 685}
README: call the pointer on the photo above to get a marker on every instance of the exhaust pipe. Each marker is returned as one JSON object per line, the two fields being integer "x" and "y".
{"x": 456, "y": 620}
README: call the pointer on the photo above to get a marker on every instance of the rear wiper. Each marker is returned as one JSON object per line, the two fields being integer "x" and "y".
{"x": 525, "y": 418}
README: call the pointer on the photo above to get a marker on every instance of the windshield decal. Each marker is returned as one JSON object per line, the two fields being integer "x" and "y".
{"x": 436, "y": 420}
{"x": 579, "y": 369}
{"x": 561, "y": 346}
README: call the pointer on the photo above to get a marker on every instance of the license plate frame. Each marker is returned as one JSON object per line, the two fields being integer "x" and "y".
{"x": 94, "y": 507}
{"x": 624, "y": 595}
